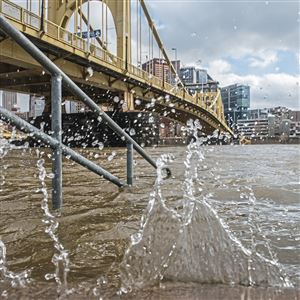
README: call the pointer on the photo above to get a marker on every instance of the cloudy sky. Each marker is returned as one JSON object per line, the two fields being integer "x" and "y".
{"x": 250, "y": 42}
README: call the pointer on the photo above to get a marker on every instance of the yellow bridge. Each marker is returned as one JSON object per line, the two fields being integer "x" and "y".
{"x": 90, "y": 63}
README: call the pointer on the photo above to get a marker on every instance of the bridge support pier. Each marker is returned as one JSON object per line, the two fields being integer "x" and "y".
{"x": 129, "y": 100}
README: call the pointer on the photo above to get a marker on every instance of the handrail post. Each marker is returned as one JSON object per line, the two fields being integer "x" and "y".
{"x": 129, "y": 163}
{"x": 22, "y": 15}
{"x": 56, "y": 126}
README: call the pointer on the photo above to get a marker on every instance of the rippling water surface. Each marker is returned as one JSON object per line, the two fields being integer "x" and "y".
{"x": 238, "y": 237}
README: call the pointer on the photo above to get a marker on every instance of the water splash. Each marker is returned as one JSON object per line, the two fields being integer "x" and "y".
{"x": 60, "y": 258}
{"x": 255, "y": 232}
{"x": 5, "y": 146}
{"x": 185, "y": 240}
{"x": 20, "y": 279}
{"x": 144, "y": 260}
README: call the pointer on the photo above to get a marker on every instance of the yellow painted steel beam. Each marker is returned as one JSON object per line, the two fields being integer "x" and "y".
{"x": 66, "y": 41}
{"x": 215, "y": 99}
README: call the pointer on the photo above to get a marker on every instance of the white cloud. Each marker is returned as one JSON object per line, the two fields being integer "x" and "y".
{"x": 219, "y": 29}
{"x": 159, "y": 26}
{"x": 219, "y": 66}
{"x": 263, "y": 58}
{"x": 267, "y": 90}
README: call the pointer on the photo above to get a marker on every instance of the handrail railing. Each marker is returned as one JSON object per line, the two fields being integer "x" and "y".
{"x": 19, "y": 14}
{"x": 24, "y": 126}
{"x": 59, "y": 78}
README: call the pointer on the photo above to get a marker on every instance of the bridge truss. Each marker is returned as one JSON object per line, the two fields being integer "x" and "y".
{"x": 101, "y": 73}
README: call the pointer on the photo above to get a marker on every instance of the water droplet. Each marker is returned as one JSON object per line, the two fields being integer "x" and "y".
{"x": 50, "y": 175}
{"x": 111, "y": 157}
{"x": 49, "y": 276}
{"x": 4, "y": 294}
{"x": 132, "y": 131}
{"x": 135, "y": 238}
{"x": 100, "y": 146}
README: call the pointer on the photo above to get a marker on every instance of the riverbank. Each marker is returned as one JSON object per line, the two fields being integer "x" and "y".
{"x": 276, "y": 141}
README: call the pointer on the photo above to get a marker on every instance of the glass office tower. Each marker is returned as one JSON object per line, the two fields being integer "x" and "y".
{"x": 236, "y": 101}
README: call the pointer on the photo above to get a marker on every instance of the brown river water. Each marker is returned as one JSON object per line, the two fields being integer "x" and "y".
{"x": 225, "y": 226}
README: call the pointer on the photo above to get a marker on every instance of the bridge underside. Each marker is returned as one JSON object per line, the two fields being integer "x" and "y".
{"x": 19, "y": 72}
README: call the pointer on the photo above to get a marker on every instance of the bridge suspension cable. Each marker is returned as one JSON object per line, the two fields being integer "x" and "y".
{"x": 140, "y": 23}
{"x": 106, "y": 27}
{"x": 137, "y": 33}
{"x": 81, "y": 13}
{"x": 159, "y": 43}
{"x": 76, "y": 17}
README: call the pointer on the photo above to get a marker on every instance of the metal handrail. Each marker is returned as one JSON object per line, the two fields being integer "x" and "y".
{"x": 24, "y": 126}
{"x": 59, "y": 78}
{"x": 40, "y": 57}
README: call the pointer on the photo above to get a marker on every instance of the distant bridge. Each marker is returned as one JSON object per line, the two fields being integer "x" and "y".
{"x": 89, "y": 63}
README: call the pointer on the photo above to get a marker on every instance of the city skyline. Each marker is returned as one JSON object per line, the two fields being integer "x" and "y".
{"x": 248, "y": 42}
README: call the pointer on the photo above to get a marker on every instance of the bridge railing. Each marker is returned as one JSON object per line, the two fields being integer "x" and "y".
{"x": 55, "y": 142}
{"x": 23, "y": 16}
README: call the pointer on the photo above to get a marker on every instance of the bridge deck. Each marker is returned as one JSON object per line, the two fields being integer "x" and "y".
{"x": 110, "y": 72}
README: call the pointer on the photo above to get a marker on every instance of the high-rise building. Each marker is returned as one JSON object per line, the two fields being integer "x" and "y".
{"x": 277, "y": 122}
{"x": 171, "y": 76}
{"x": 236, "y": 101}
{"x": 193, "y": 75}
{"x": 71, "y": 106}
{"x": 81, "y": 107}
{"x": 157, "y": 67}
{"x": 9, "y": 100}
{"x": 197, "y": 80}
{"x": 36, "y": 106}
{"x": 201, "y": 76}
{"x": 188, "y": 75}
{"x": 258, "y": 113}
{"x": 176, "y": 65}
{"x": 256, "y": 128}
